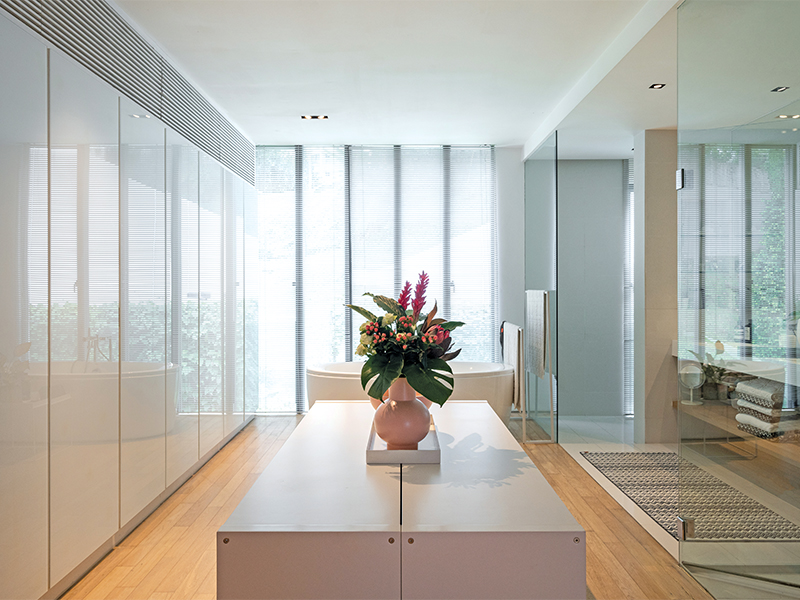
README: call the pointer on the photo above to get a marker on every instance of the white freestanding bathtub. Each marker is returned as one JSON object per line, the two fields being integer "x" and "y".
{"x": 80, "y": 391}
{"x": 493, "y": 382}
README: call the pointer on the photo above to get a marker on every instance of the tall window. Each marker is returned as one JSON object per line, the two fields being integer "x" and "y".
{"x": 338, "y": 221}
{"x": 627, "y": 303}
{"x": 738, "y": 264}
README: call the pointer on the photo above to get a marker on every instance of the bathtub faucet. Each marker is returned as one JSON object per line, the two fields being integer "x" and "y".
{"x": 93, "y": 345}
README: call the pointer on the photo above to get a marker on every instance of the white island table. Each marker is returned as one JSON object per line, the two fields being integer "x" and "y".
{"x": 321, "y": 523}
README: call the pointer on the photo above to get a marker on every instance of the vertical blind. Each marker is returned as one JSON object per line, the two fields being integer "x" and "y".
{"x": 627, "y": 298}
{"x": 338, "y": 221}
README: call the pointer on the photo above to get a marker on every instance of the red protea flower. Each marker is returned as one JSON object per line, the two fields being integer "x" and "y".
{"x": 441, "y": 334}
{"x": 419, "y": 295}
{"x": 405, "y": 296}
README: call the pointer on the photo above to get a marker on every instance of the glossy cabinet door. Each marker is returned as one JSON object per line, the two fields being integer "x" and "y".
{"x": 23, "y": 315}
{"x": 183, "y": 298}
{"x": 144, "y": 376}
{"x": 251, "y": 279}
{"x": 84, "y": 315}
{"x": 234, "y": 322}
{"x": 212, "y": 306}
{"x": 239, "y": 287}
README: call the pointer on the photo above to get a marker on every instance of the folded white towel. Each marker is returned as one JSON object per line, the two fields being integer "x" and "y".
{"x": 535, "y": 332}
{"x": 768, "y": 427}
{"x": 512, "y": 355}
{"x": 757, "y": 423}
{"x": 770, "y": 412}
{"x": 765, "y": 389}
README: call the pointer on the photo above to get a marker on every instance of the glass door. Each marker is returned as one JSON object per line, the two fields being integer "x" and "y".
{"x": 739, "y": 463}
{"x": 536, "y": 420}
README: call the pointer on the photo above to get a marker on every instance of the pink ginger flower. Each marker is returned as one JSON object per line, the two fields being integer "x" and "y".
{"x": 419, "y": 295}
{"x": 405, "y": 296}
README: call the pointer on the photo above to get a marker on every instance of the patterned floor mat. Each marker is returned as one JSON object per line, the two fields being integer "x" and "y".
{"x": 720, "y": 511}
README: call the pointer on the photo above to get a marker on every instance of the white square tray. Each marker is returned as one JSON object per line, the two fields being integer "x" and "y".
{"x": 427, "y": 452}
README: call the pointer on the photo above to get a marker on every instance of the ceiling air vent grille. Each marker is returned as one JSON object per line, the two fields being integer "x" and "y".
{"x": 97, "y": 37}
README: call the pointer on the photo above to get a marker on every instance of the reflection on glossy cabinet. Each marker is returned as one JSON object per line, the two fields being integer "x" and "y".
{"x": 182, "y": 332}
{"x": 251, "y": 283}
{"x": 234, "y": 321}
{"x": 84, "y": 313}
{"x": 23, "y": 315}
{"x": 212, "y": 286}
{"x": 145, "y": 379}
{"x": 112, "y": 346}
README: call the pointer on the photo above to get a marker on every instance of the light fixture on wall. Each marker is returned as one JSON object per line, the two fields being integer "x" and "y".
{"x": 658, "y": 86}
{"x": 780, "y": 88}
{"x": 318, "y": 117}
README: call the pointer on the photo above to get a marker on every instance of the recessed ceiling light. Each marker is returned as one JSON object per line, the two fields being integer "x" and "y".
{"x": 147, "y": 116}
{"x": 782, "y": 117}
{"x": 657, "y": 86}
{"x": 135, "y": 116}
{"x": 318, "y": 117}
{"x": 780, "y": 88}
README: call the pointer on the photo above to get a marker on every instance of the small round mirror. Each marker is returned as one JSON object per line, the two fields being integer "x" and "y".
{"x": 691, "y": 376}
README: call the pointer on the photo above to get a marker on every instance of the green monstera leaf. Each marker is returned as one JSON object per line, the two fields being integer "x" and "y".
{"x": 384, "y": 369}
{"x": 432, "y": 382}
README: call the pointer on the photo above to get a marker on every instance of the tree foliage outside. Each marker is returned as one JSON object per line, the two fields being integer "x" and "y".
{"x": 201, "y": 363}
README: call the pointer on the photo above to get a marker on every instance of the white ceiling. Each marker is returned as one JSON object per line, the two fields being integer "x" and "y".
{"x": 404, "y": 71}
{"x": 603, "y": 125}
{"x": 727, "y": 84}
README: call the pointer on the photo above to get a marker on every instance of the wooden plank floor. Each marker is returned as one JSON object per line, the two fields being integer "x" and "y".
{"x": 623, "y": 561}
{"x": 533, "y": 431}
{"x": 172, "y": 554}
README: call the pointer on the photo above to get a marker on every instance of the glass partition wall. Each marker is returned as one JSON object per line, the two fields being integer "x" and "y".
{"x": 739, "y": 130}
{"x": 578, "y": 298}
{"x": 536, "y": 419}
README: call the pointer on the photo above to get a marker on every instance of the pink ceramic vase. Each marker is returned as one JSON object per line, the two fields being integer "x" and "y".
{"x": 376, "y": 403}
{"x": 402, "y": 421}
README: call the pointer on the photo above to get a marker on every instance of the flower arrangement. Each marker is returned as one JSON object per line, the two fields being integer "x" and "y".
{"x": 406, "y": 343}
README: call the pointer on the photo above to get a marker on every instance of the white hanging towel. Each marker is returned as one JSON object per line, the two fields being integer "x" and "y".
{"x": 512, "y": 356}
{"x": 535, "y": 326}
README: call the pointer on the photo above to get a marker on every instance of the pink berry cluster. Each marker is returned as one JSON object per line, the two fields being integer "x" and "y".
{"x": 404, "y": 337}
{"x": 405, "y": 323}
{"x": 382, "y": 337}
{"x": 371, "y": 328}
